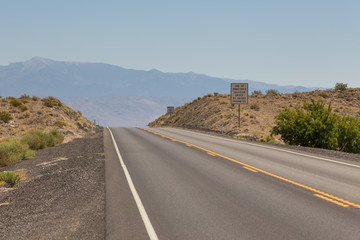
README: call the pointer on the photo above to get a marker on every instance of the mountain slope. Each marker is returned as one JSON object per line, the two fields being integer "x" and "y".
{"x": 257, "y": 117}
{"x": 79, "y": 84}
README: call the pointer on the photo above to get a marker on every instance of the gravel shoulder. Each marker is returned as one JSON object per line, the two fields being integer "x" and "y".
{"x": 61, "y": 195}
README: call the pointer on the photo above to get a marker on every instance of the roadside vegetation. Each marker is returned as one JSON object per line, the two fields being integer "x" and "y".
{"x": 10, "y": 178}
{"x": 315, "y": 125}
{"x": 330, "y": 121}
{"x": 14, "y": 150}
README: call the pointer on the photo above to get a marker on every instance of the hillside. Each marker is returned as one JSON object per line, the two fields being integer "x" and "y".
{"x": 257, "y": 117}
{"x": 19, "y": 115}
{"x": 113, "y": 95}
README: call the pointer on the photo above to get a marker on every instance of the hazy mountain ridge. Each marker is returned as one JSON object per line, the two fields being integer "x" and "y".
{"x": 73, "y": 82}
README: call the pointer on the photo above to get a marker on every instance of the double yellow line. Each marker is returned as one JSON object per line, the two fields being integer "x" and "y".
{"x": 317, "y": 193}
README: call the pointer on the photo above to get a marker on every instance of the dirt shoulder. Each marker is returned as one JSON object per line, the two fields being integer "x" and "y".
{"x": 61, "y": 196}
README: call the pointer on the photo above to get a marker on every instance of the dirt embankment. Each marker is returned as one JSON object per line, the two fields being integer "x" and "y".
{"x": 61, "y": 194}
{"x": 257, "y": 118}
{"x": 19, "y": 115}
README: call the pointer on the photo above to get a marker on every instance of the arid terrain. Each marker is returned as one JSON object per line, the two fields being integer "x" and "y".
{"x": 257, "y": 117}
{"x": 61, "y": 194}
{"x": 32, "y": 113}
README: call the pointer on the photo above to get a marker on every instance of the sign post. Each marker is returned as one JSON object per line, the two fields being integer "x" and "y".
{"x": 239, "y": 95}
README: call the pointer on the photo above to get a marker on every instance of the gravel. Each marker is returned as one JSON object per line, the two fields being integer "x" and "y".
{"x": 61, "y": 196}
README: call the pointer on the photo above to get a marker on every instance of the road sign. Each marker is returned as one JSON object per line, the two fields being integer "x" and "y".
{"x": 239, "y": 93}
{"x": 170, "y": 109}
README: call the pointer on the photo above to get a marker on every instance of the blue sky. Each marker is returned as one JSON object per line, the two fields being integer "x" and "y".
{"x": 286, "y": 42}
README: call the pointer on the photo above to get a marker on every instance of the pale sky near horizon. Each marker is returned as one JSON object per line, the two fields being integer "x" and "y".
{"x": 313, "y": 43}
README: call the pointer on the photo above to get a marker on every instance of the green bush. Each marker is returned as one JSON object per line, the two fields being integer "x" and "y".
{"x": 25, "y": 96}
{"x": 12, "y": 151}
{"x": 256, "y": 92}
{"x": 40, "y": 140}
{"x": 60, "y": 123}
{"x": 11, "y": 178}
{"x": 22, "y": 108}
{"x": 15, "y": 103}
{"x": 5, "y": 117}
{"x": 314, "y": 125}
{"x": 340, "y": 86}
{"x": 272, "y": 92}
{"x": 348, "y": 134}
{"x": 51, "y": 102}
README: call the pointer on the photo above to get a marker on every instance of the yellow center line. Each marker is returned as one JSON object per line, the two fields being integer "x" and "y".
{"x": 250, "y": 169}
{"x": 331, "y": 200}
{"x": 247, "y": 166}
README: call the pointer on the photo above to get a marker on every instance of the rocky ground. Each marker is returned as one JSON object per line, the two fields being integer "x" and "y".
{"x": 61, "y": 194}
{"x": 258, "y": 117}
{"x": 20, "y": 115}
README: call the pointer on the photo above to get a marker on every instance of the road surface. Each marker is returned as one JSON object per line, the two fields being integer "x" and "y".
{"x": 195, "y": 186}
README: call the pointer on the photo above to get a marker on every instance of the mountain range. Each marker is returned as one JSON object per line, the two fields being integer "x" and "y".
{"x": 113, "y": 95}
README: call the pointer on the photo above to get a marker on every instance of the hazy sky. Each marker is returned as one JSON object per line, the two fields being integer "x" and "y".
{"x": 286, "y": 42}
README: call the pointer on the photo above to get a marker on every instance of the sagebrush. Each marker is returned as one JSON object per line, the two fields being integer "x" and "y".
{"x": 11, "y": 178}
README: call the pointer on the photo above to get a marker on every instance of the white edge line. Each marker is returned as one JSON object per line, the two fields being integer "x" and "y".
{"x": 149, "y": 228}
{"x": 273, "y": 148}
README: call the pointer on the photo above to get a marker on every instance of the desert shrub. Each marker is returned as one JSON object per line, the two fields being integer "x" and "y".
{"x": 324, "y": 95}
{"x": 40, "y": 140}
{"x": 11, "y": 178}
{"x": 340, "y": 86}
{"x": 35, "y": 98}
{"x": 51, "y": 102}
{"x": 256, "y": 92}
{"x": 25, "y": 96}
{"x": 5, "y": 117}
{"x": 314, "y": 125}
{"x": 270, "y": 139}
{"x": 223, "y": 102}
{"x": 22, "y": 108}
{"x": 348, "y": 134}
{"x": 15, "y": 103}
{"x": 272, "y": 92}
{"x": 59, "y": 123}
{"x": 198, "y": 98}
{"x": 215, "y": 94}
{"x": 255, "y": 107}
{"x": 12, "y": 151}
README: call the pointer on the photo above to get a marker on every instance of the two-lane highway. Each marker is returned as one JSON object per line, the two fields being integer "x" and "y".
{"x": 195, "y": 186}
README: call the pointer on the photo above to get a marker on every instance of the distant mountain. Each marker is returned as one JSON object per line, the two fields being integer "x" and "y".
{"x": 104, "y": 85}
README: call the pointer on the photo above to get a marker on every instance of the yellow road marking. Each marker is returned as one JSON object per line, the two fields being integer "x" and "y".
{"x": 250, "y": 169}
{"x": 331, "y": 200}
{"x": 247, "y": 166}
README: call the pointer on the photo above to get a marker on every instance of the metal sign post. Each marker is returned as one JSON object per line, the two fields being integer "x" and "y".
{"x": 239, "y": 95}
{"x": 239, "y": 117}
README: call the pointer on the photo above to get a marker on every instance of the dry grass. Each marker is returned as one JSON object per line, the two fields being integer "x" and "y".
{"x": 257, "y": 117}
{"x": 20, "y": 115}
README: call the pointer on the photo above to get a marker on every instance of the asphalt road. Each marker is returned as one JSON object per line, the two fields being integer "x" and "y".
{"x": 195, "y": 186}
